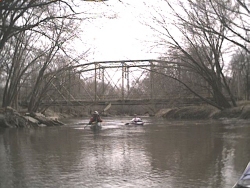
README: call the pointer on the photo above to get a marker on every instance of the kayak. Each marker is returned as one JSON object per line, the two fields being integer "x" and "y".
{"x": 244, "y": 180}
{"x": 96, "y": 126}
{"x": 135, "y": 123}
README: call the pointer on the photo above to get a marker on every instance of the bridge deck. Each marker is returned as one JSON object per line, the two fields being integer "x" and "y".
{"x": 122, "y": 102}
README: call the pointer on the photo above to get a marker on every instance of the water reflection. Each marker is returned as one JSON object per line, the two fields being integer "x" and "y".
{"x": 159, "y": 154}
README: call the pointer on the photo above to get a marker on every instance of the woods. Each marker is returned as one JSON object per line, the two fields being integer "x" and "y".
{"x": 205, "y": 44}
{"x": 198, "y": 38}
{"x": 34, "y": 45}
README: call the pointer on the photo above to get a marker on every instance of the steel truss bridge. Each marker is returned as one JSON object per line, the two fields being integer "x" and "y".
{"x": 117, "y": 82}
{"x": 125, "y": 82}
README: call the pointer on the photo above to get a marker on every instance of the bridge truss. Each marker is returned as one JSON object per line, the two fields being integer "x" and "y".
{"x": 117, "y": 80}
{"x": 125, "y": 82}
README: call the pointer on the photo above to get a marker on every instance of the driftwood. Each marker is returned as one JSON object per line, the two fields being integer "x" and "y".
{"x": 46, "y": 121}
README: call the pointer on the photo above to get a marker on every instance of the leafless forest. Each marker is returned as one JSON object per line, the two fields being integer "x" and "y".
{"x": 208, "y": 59}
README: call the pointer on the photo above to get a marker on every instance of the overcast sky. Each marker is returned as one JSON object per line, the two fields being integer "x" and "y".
{"x": 118, "y": 31}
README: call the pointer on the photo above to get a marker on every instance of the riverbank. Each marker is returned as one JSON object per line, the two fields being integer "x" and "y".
{"x": 205, "y": 112}
{"x": 11, "y": 118}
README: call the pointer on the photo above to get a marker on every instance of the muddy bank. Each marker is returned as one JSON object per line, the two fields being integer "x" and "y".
{"x": 10, "y": 118}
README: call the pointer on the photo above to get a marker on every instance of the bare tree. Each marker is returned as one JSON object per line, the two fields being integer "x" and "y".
{"x": 235, "y": 17}
{"x": 240, "y": 66}
{"x": 18, "y": 58}
{"x": 32, "y": 34}
{"x": 197, "y": 49}
{"x": 20, "y": 15}
{"x": 61, "y": 32}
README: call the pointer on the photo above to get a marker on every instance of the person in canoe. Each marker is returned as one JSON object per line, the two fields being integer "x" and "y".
{"x": 136, "y": 120}
{"x": 95, "y": 118}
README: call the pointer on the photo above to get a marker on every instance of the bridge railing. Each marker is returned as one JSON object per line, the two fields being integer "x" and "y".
{"x": 116, "y": 97}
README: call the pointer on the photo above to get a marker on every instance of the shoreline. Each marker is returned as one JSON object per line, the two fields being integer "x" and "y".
{"x": 204, "y": 112}
{"x": 10, "y": 118}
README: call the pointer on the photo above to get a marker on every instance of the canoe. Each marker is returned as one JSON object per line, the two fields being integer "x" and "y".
{"x": 96, "y": 126}
{"x": 135, "y": 123}
{"x": 244, "y": 180}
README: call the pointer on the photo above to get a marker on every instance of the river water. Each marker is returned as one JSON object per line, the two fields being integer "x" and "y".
{"x": 161, "y": 153}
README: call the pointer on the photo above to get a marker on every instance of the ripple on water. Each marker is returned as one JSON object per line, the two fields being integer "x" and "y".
{"x": 160, "y": 154}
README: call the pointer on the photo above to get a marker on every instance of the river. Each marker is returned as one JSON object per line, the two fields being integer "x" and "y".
{"x": 161, "y": 153}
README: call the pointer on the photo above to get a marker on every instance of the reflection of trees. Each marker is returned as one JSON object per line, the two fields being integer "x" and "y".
{"x": 37, "y": 153}
{"x": 119, "y": 155}
{"x": 191, "y": 151}
{"x": 187, "y": 151}
{"x": 242, "y": 148}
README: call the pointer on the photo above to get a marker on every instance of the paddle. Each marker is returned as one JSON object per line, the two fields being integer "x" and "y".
{"x": 95, "y": 125}
{"x": 107, "y": 107}
{"x": 86, "y": 126}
